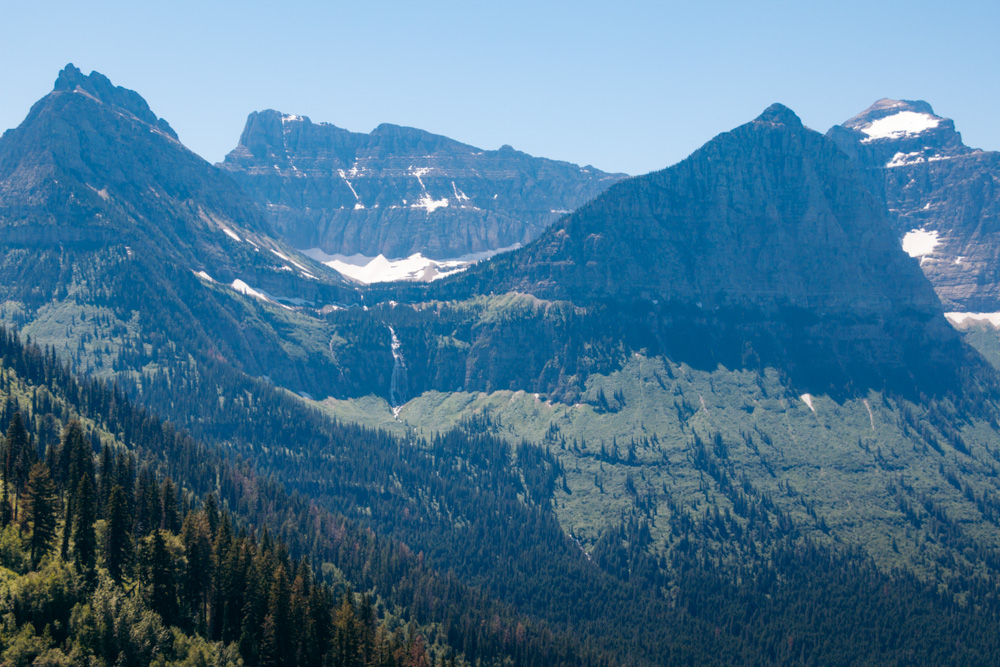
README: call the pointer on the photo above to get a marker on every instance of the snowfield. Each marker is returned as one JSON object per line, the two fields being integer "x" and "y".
{"x": 416, "y": 267}
{"x": 902, "y": 124}
{"x": 965, "y": 319}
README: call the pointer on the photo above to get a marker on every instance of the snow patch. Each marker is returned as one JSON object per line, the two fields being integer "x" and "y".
{"x": 920, "y": 242}
{"x": 231, "y": 234}
{"x": 902, "y": 124}
{"x": 430, "y": 204}
{"x": 290, "y": 118}
{"x": 418, "y": 172}
{"x": 204, "y": 276}
{"x": 905, "y": 159}
{"x": 808, "y": 400}
{"x": 243, "y": 288}
{"x": 966, "y": 319}
{"x": 102, "y": 193}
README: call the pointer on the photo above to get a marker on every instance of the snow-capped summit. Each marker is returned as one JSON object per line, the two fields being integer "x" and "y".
{"x": 941, "y": 195}
{"x": 905, "y": 132}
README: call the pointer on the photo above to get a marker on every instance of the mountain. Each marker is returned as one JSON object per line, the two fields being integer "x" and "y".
{"x": 399, "y": 191}
{"x": 127, "y": 251}
{"x": 92, "y": 167}
{"x": 763, "y": 244}
{"x": 942, "y": 197}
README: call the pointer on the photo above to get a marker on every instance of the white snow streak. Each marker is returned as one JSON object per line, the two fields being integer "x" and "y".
{"x": 808, "y": 400}
{"x": 459, "y": 195}
{"x": 288, "y": 259}
{"x": 344, "y": 176}
{"x": 243, "y": 288}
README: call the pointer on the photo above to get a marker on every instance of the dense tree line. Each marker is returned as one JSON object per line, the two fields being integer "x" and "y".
{"x": 227, "y": 594}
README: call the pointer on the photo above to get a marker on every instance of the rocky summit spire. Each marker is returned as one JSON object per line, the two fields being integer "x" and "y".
{"x": 100, "y": 88}
{"x": 779, "y": 114}
{"x": 93, "y": 164}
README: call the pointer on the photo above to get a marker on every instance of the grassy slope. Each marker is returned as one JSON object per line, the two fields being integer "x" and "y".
{"x": 832, "y": 470}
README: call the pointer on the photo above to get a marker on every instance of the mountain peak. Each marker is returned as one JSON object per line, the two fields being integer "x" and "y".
{"x": 779, "y": 114}
{"x": 896, "y": 133}
{"x": 98, "y": 87}
{"x": 889, "y": 107}
{"x": 897, "y": 119}
{"x": 69, "y": 78}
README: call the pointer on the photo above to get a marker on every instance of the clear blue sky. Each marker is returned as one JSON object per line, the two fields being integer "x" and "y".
{"x": 626, "y": 86}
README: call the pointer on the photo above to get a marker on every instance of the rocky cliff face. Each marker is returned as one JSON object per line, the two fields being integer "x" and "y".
{"x": 398, "y": 190}
{"x": 942, "y": 197}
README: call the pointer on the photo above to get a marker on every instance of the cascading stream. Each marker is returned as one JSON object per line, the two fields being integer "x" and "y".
{"x": 397, "y": 382}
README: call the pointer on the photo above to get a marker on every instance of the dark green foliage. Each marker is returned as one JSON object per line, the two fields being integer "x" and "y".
{"x": 41, "y": 512}
{"x": 84, "y": 538}
{"x": 118, "y": 541}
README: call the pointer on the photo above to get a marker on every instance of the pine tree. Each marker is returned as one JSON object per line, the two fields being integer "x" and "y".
{"x": 118, "y": 542}
{"x": 107, "y": 479}
{"x": 84, "y": 538}
{"x": 198, "y": 575}
{"x": 162, "y": 586}
{"x": 278, "y": 608}
{"x": 269, "y": 655}
{"x": 15, "y": 457}
{"x": 171, "y": 516}
{"x": 77, "y": 461}
{"x": 41, "y": 512}
{"x": 5, "y": 511}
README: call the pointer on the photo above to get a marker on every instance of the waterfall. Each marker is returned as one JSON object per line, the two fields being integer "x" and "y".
{"x": 397, "y": 383}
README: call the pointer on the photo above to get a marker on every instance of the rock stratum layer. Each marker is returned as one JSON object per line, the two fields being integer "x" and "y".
{"x": 398, "y": 191}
